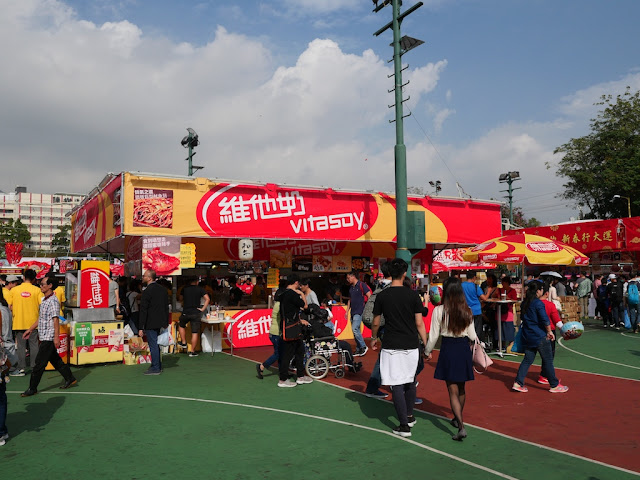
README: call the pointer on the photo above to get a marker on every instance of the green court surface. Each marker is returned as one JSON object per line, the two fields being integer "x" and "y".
{"x": 605, "y": 351}
{"x": 209, "y": 417}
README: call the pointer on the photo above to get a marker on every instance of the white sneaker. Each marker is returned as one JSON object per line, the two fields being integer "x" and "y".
{"x": 288, "y": 383}
{"x": 305, "y": 379}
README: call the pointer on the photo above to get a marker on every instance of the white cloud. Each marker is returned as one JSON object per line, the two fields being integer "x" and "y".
{"x": 440, "y": 117}
{"x": 322, "y": 7}
{"x": 81, "y": 99}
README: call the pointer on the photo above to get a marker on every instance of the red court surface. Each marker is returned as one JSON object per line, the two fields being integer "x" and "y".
{"x": 598, "y": 418}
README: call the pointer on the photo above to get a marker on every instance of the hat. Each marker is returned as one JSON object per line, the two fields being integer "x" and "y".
{"x": 12, "y": 278}
{"x": 611, "y": 275}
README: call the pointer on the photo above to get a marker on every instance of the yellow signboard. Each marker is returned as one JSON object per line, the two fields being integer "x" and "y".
{"x": 187, "y": 255}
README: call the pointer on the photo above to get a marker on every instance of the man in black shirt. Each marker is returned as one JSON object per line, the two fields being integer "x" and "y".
{"x": 404, "y": 326}
{"x": 192, "y": 295}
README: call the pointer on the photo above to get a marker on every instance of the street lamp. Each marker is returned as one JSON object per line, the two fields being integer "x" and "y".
{"x": 509, "y": 178}
{"x": 191, "y": 141}
{"x": 436, "y": 185}
{"x": 628, "y": 203}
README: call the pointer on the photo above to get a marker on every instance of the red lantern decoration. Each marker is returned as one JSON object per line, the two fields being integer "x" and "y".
{"x": 13, "y": 252}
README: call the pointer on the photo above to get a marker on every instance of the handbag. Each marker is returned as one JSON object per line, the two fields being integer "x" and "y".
{"x": 291, "y": 328}
{"x": 480, "y": 359}
{"x": 165, "y": 338}
{"x": 517, "y": 346}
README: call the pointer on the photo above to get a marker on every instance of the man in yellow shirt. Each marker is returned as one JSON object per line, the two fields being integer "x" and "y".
{"x": 26, "y": 300}
{"x": 12, "y": 281}
{"x": 59, "y": 292}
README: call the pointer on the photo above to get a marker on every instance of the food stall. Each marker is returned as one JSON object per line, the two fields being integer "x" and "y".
{"x": 96, "y": 335}
{"x": 157, "y": 221}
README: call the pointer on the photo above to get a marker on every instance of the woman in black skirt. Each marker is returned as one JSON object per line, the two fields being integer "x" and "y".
{"x": 454, "y": 321}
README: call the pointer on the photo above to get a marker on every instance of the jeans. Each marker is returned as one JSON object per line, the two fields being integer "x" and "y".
{"x": 276, "y": 340}
{"x": 477, "y": 323}
{"x": 375, "y": 380}
{"x": 21, "y": 345}
{"x": 544, "y": 349}
{"x": 3, "y": 407}
{"x": 633, "y": 317}
{"x": 617, "y": 310}
{"x": 48, "y": 353}
{"x": 356, "y": 320}
{"x": 154, "y": 350}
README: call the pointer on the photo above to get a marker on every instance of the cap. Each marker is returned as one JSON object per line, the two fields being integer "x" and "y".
{"x": 13, "y": 278}
{"x": 611, "y": 275}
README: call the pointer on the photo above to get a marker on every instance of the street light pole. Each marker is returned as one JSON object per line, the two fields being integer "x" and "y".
{"x": 509, "y": 178}
{"x": 400, "y": 150}
{"x": 628, "y": 203}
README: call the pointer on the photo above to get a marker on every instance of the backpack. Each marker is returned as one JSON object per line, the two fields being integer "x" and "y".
{"x": 367, "y": 314}
{"x": 602, "y": 291}
{"x": 632, "y": 293}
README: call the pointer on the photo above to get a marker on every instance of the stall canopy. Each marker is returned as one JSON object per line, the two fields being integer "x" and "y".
{"x": 214, "y": 215}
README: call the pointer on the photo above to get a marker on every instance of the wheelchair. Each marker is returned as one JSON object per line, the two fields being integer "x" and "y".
{"x": 324, "y": 356}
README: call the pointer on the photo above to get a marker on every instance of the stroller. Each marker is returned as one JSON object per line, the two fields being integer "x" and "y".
{"x": 324, "y": 352}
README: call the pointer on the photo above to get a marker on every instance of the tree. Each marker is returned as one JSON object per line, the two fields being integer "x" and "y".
{"x": 14, "y": 232}
{"x": 518, "y": 217}
{"x": 607, "y": 161}
{"x": 62, "y": 240}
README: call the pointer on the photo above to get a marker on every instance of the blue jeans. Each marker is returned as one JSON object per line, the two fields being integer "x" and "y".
{"x": 633, "y": 317}
{"x": 617, "y": 310}
{"x": 3, "y": 407}
{"x": 356, "y": 321}
{"x": 544, "y": 349}
{"x": 154, "y": 350}
{"x": 276, "y": 340}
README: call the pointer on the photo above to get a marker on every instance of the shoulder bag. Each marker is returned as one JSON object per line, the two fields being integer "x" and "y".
{"x": 291, "y": 328}
{"x": 480, "y": 359}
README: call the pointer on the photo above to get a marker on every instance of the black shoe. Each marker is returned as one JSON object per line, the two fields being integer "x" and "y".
{"x": 193, "y": 354}
{"x": 455, "y": 423}
{"x": 402, "y": 431}
{"x": 28, "y": 393}
{"x": 152, "y": 372}
{"x": 69, "y": 384}
{"x": 260, "y": 376}
{"x": 411, "y": 420}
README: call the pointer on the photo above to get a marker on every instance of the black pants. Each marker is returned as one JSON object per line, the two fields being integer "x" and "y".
{"x": 48, "y": 353}
{"x": 289, "y": 351}
{"x": 404, "y": 398}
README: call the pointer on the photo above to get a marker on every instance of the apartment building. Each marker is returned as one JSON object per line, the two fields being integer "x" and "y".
{"x": 42, "y": 213}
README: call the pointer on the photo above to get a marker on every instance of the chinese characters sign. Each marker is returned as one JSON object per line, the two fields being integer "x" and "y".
{"x": 94, "y": 284}
{"x": 240, "y": 210}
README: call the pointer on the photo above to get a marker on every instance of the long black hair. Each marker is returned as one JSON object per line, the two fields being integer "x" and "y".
{"x": 455, "y": 306}
{"x": 3, "y": 301}
{"x": 530, "y": 295}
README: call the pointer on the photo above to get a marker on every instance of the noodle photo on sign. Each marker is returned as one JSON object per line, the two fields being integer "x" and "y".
{"x": 153, "y": 208}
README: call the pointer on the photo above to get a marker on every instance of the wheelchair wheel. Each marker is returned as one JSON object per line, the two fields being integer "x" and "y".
{"x": 339, "y": 373}
{"x": 317, "y": 367}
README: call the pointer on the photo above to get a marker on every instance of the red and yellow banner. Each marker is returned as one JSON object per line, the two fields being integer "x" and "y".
{"x": 98, "y": 220}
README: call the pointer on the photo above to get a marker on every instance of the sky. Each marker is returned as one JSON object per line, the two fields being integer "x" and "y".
{"x": 296, "y": 91}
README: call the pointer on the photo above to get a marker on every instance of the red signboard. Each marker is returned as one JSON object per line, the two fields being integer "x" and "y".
{"x": 99, "y": 219}
{"x": 94, "y": 292}
{"x": 233, "y": 211}
{"x": 585, "y": 236}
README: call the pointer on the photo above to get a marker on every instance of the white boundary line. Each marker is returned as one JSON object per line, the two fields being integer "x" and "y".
{"x": 305, "y": 415}
{"x": 596, "y": 358}
{"x": 630, "y": 336}
{"x": 504, "y": 435}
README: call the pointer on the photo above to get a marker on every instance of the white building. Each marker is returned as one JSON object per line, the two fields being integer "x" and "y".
{"x": 42, "y": 213}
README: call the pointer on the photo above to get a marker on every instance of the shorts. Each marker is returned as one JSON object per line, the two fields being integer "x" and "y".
{"x": 194, "y": 319}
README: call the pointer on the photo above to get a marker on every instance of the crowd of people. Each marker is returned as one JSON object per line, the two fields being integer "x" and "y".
{"x": 30, "y": 310}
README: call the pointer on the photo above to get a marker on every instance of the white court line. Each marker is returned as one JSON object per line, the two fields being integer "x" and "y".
{"x": 596, "y": 358}
{"x": 305, "y": 415}
{"x": 630, "y": 336}
{"x": 504, "y": 435}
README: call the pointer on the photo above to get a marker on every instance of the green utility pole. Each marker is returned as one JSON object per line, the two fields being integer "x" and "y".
{"x": 403, "y": 225}
{"x": 191, "y": 141}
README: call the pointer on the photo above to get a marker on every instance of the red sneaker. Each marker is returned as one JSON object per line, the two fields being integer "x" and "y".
{"x": 543, "y": 380}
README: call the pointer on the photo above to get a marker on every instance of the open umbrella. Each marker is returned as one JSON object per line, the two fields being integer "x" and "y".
{"x": 524, "y": 248}
{"x": 550, "y": 274}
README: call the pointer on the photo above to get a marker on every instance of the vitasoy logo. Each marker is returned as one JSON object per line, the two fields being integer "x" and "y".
{"x": 543, "y": 247}
{"x": 231, "y": 210}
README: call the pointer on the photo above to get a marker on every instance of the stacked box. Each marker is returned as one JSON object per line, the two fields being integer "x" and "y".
{"x": 570, "y": 309}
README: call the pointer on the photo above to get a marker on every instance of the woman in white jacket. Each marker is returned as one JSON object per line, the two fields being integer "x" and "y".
{"x": 453, "y": 321}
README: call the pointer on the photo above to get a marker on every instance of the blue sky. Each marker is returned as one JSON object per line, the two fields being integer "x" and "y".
{"x": 295, "y": 90}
